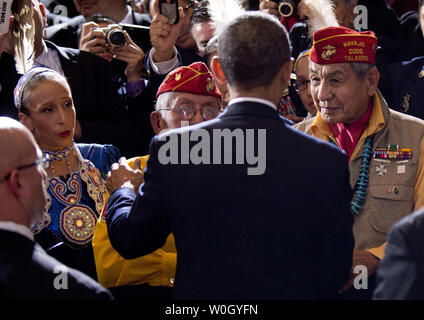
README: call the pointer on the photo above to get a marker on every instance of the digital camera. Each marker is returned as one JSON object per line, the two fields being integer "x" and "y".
{"x": 288, "y": 7}
{"x": 115, "y": 36}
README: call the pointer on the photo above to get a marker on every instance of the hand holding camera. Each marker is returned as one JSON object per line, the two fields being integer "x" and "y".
{"x": 133, "y": 55}
{"x": 113, "y": 42}
{"x": 92, "y": 39}
{"x": 278, "y": 8}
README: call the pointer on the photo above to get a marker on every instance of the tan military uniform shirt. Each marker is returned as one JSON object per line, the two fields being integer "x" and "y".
{"x": 396, "y": 187}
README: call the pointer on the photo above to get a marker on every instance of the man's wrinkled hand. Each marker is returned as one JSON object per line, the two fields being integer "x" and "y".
{"x": 303, "y": 10}
{"x": 92, "y": 40}
{"x": 269, "y": 7}
{"x": 122, "y": 176}
{"x": 363, "y": 258}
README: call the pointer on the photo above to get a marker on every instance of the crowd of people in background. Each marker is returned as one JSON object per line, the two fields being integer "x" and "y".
{"x": 95, "y": 94}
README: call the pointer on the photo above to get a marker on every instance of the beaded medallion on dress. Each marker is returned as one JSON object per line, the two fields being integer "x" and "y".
{"x": 74, "y": 206}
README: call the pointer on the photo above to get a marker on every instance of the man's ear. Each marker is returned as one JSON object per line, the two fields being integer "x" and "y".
{"x": 217, "y": 70}
{"x": 285, "y": 72}
{"x": 26, "y": 121}
{"x": 373, "y": 76}
{"x": 13, "y": 183}
{"x": 158, "y": 124}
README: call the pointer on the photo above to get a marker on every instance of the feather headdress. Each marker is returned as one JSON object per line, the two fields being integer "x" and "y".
{"x": 23, "y": 35}
{"x": 321, "y": 14}
{"x": 223, "y": 11}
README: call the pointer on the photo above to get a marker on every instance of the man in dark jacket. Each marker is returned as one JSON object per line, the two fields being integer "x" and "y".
{"x": 27, "y": 271}
{"x": 65, "y": 34}
{"x": 401, "y": 272}
{"x": 226, "y": 215}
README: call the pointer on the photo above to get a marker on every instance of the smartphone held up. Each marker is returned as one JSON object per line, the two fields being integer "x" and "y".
{"x": 169, "y": 9}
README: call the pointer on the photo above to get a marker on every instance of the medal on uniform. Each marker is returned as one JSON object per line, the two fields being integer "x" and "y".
{"x": 393, "y": 151}
{"x": 381, "y": 169}
{"x": 393, "y": 190}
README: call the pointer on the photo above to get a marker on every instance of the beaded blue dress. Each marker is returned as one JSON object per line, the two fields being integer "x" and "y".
{"x": 74, "y": 205}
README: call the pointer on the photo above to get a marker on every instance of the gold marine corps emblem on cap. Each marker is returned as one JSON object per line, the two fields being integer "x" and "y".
{"x": 178, "y": 76}
{"x": 328, "y": 52}
{"x": 209, "y": 85}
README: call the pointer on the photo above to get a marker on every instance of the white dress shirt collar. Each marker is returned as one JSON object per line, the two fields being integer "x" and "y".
{"x": 249, "y": 99}
{"x": 17, "y": 228}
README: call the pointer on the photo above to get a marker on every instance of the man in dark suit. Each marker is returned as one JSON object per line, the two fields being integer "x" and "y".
{"x": 242, "y": 227}
{"x": 65, "y": 34}
{"x": 401, "y": 272}
{"x": 26, "y": 270}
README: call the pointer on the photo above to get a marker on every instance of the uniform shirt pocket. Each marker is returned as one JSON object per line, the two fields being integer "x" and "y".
{"x": 389, "y": 203}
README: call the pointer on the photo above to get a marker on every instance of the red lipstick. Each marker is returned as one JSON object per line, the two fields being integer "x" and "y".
{"x": 65, "y": 134}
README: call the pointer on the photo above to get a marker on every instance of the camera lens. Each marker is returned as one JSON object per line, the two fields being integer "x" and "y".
{"x": 286, "y": 8}
{"x": 116, "y": 38}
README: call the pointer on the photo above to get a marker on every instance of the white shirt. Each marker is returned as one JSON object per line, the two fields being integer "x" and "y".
{"x": 49, "y": 58}
{"x": 249, "y": 99}
{"x": 17, "y": 228}
{"x": 128, "y": 17}
{"x": 164, "y": 67}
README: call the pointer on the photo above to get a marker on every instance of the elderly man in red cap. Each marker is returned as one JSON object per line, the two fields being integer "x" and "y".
{"x": 384, "y": 146}
{"x": 187, "y": 96}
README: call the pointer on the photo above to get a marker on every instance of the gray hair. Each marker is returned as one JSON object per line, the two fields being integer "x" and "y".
{"x": 361, "y": 69}
{"x": 252, "y": 49}
{"x": 165, "y": 100}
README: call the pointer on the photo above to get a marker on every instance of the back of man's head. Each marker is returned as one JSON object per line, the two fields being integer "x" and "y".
{"x": 14, "y": 138}
{"x": 19, "y": 148}
{"x": 252, "y": 49}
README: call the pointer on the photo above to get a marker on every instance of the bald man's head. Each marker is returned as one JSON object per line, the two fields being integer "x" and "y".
{"x": 17, "y": 144}
{"x": 21, "y": 180}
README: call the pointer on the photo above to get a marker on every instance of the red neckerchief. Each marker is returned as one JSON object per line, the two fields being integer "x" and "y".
{"x": 347, "y": 134}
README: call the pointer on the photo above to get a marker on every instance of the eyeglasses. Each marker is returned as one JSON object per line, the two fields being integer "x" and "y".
{"x": 301, "y": 85}
{"x": 187, "y": 112}
{"x": 44, "y": 162}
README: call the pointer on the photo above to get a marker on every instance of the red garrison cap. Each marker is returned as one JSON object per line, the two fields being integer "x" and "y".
{"x": 196, "y": 79}
{"x": 343, "y": 45}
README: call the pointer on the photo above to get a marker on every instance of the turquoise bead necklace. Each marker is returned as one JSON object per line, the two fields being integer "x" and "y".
{"x": 356, "y": 205}
{"x": 360, "y": 189}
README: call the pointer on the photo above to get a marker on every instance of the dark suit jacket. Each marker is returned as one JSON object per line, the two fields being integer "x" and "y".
{"x": 402, "y": 86}
{"x": 241, "y": 236}
{"x": 66, "y": 34}
{"x": 27, "y": 272}
{"x": 401, "y": 272}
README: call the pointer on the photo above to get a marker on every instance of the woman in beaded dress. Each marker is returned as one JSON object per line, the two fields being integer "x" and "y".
{"x": 76, "y": 173}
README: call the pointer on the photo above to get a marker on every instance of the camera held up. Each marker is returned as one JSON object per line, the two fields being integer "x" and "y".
{"x": 115, "y": 36}
{"x": 287, "y": 8}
